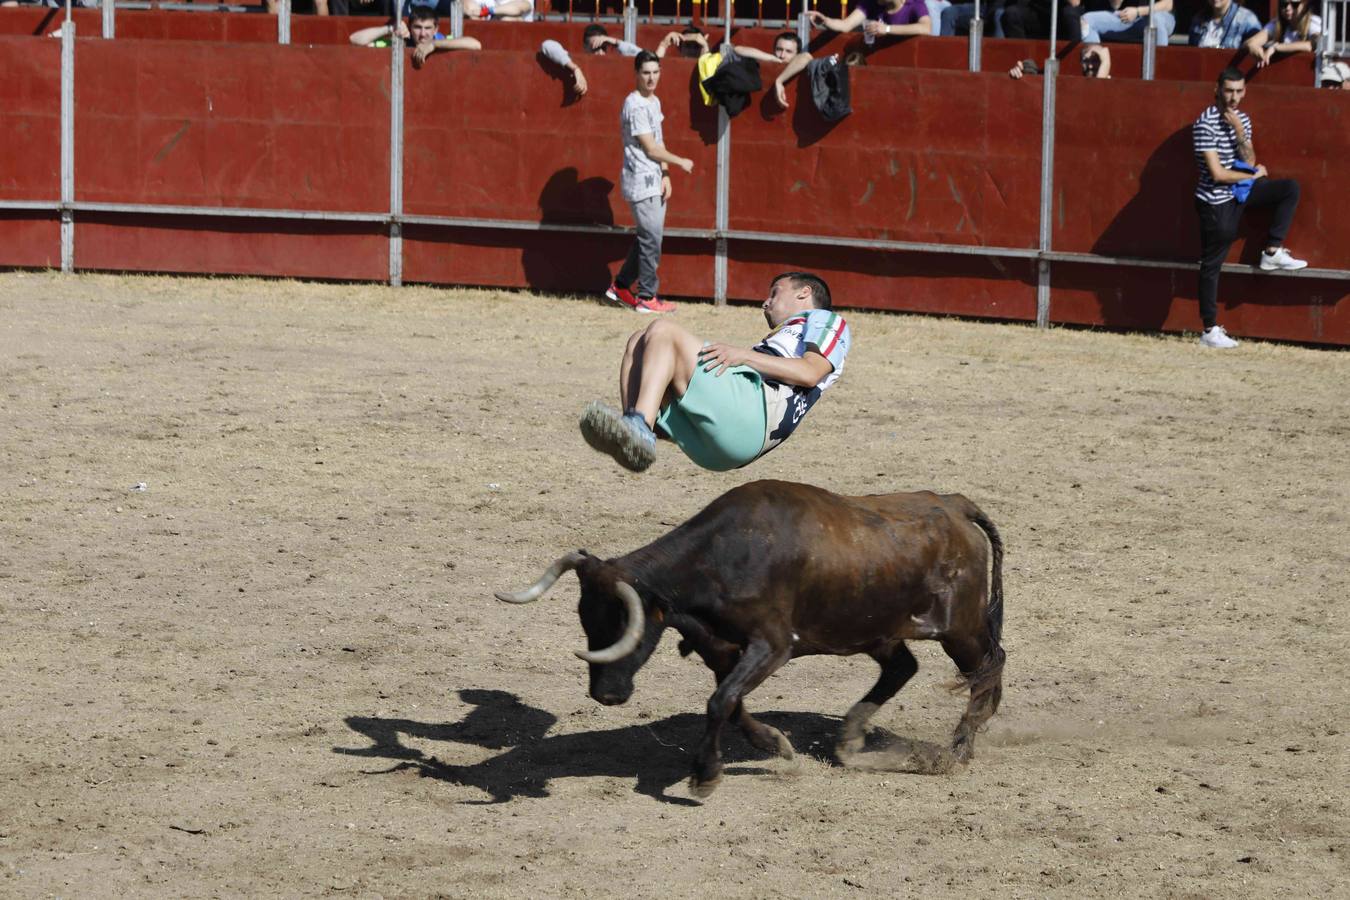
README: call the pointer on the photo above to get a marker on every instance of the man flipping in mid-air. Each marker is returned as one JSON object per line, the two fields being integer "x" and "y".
{"x": 725, "y": 406}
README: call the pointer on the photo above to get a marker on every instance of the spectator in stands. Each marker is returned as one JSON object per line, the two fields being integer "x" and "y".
{"x": 1031, "y": 19}
{"x": 1125, "y": 20}
{"x": 646, "y": 186}
{"x": 1094, "y": 59}
{"x": 597, "y": 42}
{"x": 1335, "y": 75}
{"x": 1224, "y": 24}
{"x": 1294, "y": 30}
{"x": 956, "y": 19}
{"x": 273, "y": 6}
{"x": 692, "y": 41}
{"x": 419, "y": 33}
{"x": 1230, "y": 181}
{"x": 382, "y": 8}
{"x": 880, "y": 17}
{"x": 517, "y": 10}
{"x": 787, "y": 52}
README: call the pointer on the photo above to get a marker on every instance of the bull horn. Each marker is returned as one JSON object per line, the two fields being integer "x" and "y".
{"x": 535, "y": 591}
{"x": 631, "y": 636}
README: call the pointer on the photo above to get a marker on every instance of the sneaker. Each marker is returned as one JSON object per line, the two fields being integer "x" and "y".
{"x": 626, "y": 438}
{"x": 654, "y": 305}
{"x": 1217, "y": 338}
{"x": 1281, "y": 259}
{"x": 621, "y": 295}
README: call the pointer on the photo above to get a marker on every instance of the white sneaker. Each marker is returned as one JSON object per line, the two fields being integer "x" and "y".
{"x": 1217, "y": 338}
{"x": 1281, "y": 259}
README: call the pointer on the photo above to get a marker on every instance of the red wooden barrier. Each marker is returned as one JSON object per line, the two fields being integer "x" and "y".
{"x": 950, "y": 157}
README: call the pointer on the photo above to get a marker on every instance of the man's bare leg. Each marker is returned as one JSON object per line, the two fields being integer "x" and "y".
{"x": 658, "y": 361}
{"x": 657, "y": 365}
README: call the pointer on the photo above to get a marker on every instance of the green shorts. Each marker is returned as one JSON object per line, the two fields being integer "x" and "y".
{"x": 719, "y": 422}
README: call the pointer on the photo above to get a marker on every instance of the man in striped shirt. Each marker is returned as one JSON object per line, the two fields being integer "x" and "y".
{"x": 1231, "y": 181}
{"x": 724, "y": 406}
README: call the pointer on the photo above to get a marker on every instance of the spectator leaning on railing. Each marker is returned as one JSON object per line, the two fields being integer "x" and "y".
{"x": 419, "y": 33}
{"x": 1224, "y": 24}
{"x": 787, "y": 52}
{"x": 880, "y": 17}
{"x": 597, "y": 42}
{"x": 1094, "y": 59}
{"x": 1294, "y": 30}
{"x": 1230, "y": 181}
{"x": 1125, "y": 20}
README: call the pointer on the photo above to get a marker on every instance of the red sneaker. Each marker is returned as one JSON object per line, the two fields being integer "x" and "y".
{"x": 654, "y": 305}
{"x": 621, "y": 295}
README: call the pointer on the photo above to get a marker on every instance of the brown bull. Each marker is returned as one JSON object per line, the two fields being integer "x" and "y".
{"x": 772, "y": 570}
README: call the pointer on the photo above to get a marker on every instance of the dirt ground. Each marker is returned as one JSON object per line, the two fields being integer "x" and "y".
{"x": 279, "y": 669}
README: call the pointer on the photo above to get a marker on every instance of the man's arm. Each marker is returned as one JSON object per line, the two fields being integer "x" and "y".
{"x": 847, "y": 23}
{"x": 367, "y": 36}
{"x": 460, "y": 43}
{"x": 1220, "y": 175}
{"x": 806, "y": 371}
{"x": 790, "y": 71}
{"x": 753, "y": 53}
{"x": 670, "y": 40}
{"x": 556, "y": 54}
{"x": 658, "y": 153}
{"x": 1246, "y": 152}
{"x": 923, "y": 26}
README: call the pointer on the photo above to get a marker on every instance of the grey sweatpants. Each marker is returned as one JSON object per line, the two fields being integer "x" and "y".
{"x": 639, "y": 269}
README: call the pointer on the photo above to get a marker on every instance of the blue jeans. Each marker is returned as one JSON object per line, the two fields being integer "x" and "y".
{"x": 955, "y": 19}
{"x": 935, "y": 8}
{"x": 1096, "y": 24}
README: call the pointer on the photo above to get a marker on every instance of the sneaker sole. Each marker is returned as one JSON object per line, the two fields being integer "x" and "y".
{"x": 1266, "y": 268}
{"x": 602, "y": 427}
{"x": 619, "y": 300}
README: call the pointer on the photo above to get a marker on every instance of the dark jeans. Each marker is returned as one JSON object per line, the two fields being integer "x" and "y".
{"x": 382, "y": 8}
{"x": 1218, "y": 230}
{"x": 956, "y": 18}
{"x": 1031, "y": 19}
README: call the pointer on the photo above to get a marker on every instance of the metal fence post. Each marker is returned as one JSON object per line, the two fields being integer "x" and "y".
{"x": 67, "y": 145}
{"x": 976, "y": 38}
{"x": 1150, "y": 45}
{"x": 804, "y": 27}
{"x": 456, "y": 19}
{"x": 283, "y": 21}
{"x": 630, "y": 22}
{"x": 396, "y": 160}
{"x": 1320, "y": 55}
{"x": 723, "y": 206}
{"x": 1047, "y": 191}
{"x": 109, "y": 28}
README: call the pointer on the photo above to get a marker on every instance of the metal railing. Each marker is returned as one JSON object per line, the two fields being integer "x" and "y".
{"x": 1336, "y": 28}
{"x": 720, "y": 234}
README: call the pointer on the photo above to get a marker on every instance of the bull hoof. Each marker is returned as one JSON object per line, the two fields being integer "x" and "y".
{"x": 771, "y": 740}
{"x": 703, "y": 789}
{"x": 847, "y": 748}
{"x": 784, "y": 748}
{"x": 963, "y": 751}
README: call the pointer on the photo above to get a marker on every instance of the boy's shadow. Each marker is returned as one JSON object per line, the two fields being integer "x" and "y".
{"x": 655, "y": 755}
{"x": 567, "y": 199}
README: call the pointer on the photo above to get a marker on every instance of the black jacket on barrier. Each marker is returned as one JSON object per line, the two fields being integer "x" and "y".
{"x": 829, "y": 87}
{"x": 733, "y": 83}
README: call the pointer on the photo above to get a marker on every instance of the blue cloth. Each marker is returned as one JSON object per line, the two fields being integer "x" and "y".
{"x": 1243, "y": 187}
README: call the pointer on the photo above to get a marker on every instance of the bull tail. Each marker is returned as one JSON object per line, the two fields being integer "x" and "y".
{"x": 993, "y": 615}
{"x": 986, "y": 682}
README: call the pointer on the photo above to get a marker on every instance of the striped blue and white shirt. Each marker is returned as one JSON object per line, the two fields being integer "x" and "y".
{"x": 1211, "y": 132}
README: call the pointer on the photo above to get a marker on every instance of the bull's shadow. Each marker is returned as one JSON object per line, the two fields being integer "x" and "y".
{"x": 655, "y": 755}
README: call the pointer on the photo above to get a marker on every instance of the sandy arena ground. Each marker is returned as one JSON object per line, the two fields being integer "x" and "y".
{"x": 279, "y": 668}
